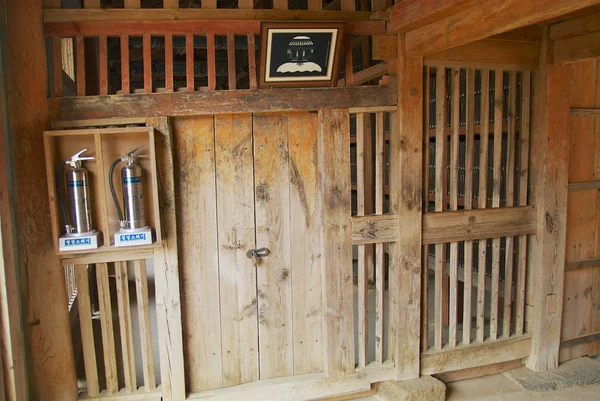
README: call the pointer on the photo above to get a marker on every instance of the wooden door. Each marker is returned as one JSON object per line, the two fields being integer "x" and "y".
{"x": 249, "y": 182}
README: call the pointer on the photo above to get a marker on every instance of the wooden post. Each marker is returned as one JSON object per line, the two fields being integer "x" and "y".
{"x": 550, "y": 139}
{"x": 42, "y": 279}
{"x": 166, "y": 270}
{"x": 334, "y": 151}
{"x": 406, "y": 200}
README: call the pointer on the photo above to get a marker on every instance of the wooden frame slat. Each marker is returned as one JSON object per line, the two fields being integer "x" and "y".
{"x": 91, "y": 3}
{"x": 189, "y": 61}
{"x": 523, "y": 186}
{"x": 280, "y": 4}
{"x": 379, "y": 252}
{"x": 211, "y": 61}
{"x": 87, "y": 331}
{"x": 425, "y": 251}
{"x": 143, "y": 305}
{"x": 231, "y": 73}
{"x": 147, "y": 53}
{"x": 349, "y": 66}
{"x": 132, "y": 4}
{"x": 125, "y": 84}
{"x": 170, "y": 3}
{"x": 498, "y": 103}
{"x": 468, "y": 203}
{"x": 103, "y": 64}
{"x": 510, "y": 185}
{"x": 440, "y": 191}
{"x": 80, "y": 65}
{"x": 252, "y": 61}
{"x": 127, "y": 349}
{"x": 482, "y": 199}
{"x": 363, "y": 329}
{"x": 108, "y": 336}
{"x": 57, "y": 66}
{"x": 453, "y": 310}
{"x": 169, "y": 63}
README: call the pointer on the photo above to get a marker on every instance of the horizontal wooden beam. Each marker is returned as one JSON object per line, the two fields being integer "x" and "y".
{"x": 584, "y": 185}
{"x": 374, "y": 229}
{"x": 577, "y": 48}
{"x": 587, "y": 338}
{"x": 198, "y": 14}
{"x": 530, "y": 33}
{"x": 580, "y": 25}
{"x": 520, "y": 55}
{"x": 484, "y": 19}
{"x": 385, "y": 47}
{"x": 466, "y": 225}
{"x": 471, "y": 356}
{"x": 582, "y": 264}
{"x": 366, "y": 75}
{"x": 410, "y": 14}
{"x": 585, "y": 112}
{"x": 218, "y": 102}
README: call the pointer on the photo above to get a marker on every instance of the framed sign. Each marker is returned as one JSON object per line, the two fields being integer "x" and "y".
{"x": 300, "y": 54}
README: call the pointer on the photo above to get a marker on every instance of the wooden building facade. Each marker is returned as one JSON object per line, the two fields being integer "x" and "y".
{"x": 435, "y": 213}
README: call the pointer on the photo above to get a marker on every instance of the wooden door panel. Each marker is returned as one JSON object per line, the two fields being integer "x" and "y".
{"x": 235, "y": 222}
{"x": 198, "y": 252}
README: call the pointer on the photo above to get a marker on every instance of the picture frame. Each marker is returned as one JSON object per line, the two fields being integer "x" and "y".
{"x": 300, "y": 54}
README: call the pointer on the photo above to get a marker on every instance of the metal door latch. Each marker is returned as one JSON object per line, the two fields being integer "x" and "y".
{"x": 255, "y": 254}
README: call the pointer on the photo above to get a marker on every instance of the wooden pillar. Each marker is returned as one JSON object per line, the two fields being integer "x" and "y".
{"x": 549, "y": 178}
{"x": 336, "y": 253}
{"x": 406, "y": 147}
{"x": 42, "y": 276}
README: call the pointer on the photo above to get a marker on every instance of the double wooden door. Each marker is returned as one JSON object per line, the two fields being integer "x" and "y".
{"x": 248, "y": 182}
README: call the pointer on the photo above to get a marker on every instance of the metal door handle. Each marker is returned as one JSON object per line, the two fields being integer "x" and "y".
{"x": 257, "y": 253}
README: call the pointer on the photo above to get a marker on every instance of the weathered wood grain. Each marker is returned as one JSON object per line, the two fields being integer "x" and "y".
{"x": 87, "y": 332}
{"x": 108, "y": 335}
{"x": 127, "y": 351}
{"x": 143, "y": 306}
{"x": 374, "y": 229}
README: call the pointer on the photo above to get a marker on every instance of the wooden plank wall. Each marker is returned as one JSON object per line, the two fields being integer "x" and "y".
{"x": 581, "y": 308}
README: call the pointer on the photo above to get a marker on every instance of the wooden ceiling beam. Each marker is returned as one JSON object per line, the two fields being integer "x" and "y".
{"x": 199, "y": 14}
{"x": 484, "y": 19}
{"x": 575, "y": 26}
{"x": 406, "y": 15}
{"x": 577, "y": 48}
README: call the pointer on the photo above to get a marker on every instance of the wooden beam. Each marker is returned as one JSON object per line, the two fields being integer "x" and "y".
{"x": 406, "y": 147}
{"x": 584, "y": 185}
{"x": 336, "y": 253}
{"x": 585, "y": 112}
{"x": 463, "y": 225}
{"x": 483, "y": 19}
{"x": 198, "y": 14}
{"x": 411, "y": 14}
{"x": 385, "y": 47}
{"x": 587, "y": 338}
{"x": 218, "y": 102}
{"x": 582, "y": 264}
{"x": 366, "y": 75}
{"x": 530, "y": 34}
{"x": 374, "y": 229}
{"x": 575, "y": 26}
{"x": 578, "y": 48}
{"x": 518, "y": 55}
{"x": 550, "y": 122}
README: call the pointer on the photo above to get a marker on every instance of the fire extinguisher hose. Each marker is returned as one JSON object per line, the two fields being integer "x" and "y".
{"x": 112, "y": 187}
{"x": 58, "y": 179}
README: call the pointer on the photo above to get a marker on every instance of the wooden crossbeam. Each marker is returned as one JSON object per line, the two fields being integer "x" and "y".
{"x": 411, "y": 14}
{"x": 581, "y": 25}
{"x": 577, "y": 48}
{"x": 218, "y": 102}
{"x": 483, "y": 19}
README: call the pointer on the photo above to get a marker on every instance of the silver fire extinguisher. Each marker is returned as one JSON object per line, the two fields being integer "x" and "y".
{"x": 77, "y": 215}
{"x": 132, "y": 217}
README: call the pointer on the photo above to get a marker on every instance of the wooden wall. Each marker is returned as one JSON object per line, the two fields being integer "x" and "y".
{"x": 581, "y": 309}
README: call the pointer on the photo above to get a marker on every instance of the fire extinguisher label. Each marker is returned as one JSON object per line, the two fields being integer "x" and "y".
{"x": 132, "y": 180}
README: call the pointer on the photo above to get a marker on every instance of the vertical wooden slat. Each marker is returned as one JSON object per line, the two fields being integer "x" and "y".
{"x": 379, "y": 253}
{"x": 147, "y": 51}
{"x": 170, "y": 3}
{"x": 252, "y": 61}
{"x": 103, "y": 64}
{"x": 189, "y": 61}
{"x": 80, "y": 65}
{"x": 349, "y": 67}
{"x": 57, "y": 66}
{"x": 133, "y": 3}
{"x": 211, "y": 61}
{"x": 87, "y": 331}
{"x": 336, "y": 256}
{"x": 315, "y": 5}
{"x": 453, "y": 311}
{"x": 108, "y": 336}
{"x": 440, "y": 192}
{"x": 235, "y": 222}
{"x": 244, "y": 4}
{"x": 363, "y": 328}
{"x": 482, "y": 201}
{"x": 127, "y": 350}
{"x": 91, "y": 3}
{"x": 143, "y": 305}
{"x": 125, "y": 85}
{"x": 272, "y": 219}
{"x": 348, "y": 5}
{"x": 231, "y": 74}
{"x": 498, "y": 101}
{"x": 280, "y": 4}
{"x": 169, "y": 62}
{"x": 469, "y": 153}
{"x": 425, "y": 256}
{"x": 523, "y": 186}
{"x": 510, "y": 185}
